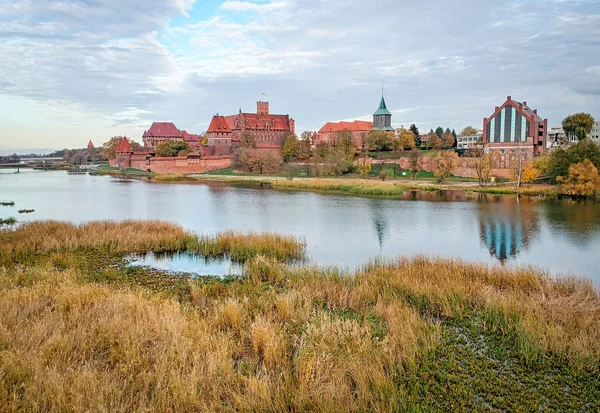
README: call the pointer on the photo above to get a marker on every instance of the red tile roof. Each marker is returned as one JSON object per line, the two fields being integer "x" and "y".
{"x": 260, "y": 122}
{"x": 160, "y": 129}
{"x": 124, "y": 146}
{"x": 90, "y": 144}
{"x": 231, "y": 121}
{"x": 356, "y": 126}
{"x": 218, "y": 124}
{"x": 192, "y": 137}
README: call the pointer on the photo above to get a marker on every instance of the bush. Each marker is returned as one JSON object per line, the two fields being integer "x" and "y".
{"x": 175, "y": 148}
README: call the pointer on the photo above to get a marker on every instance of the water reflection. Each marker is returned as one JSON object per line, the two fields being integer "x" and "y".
{"x": 380, "y": 223}
{"x": 194, "y": 264}
{"x": 579, "y": 220}
{"x": 506, "y": 226}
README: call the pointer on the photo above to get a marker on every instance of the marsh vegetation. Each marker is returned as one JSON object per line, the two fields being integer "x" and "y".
{"x": 81, "y": 332}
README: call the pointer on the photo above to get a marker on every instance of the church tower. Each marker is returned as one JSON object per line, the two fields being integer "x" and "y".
{"x": 382, "y": 118}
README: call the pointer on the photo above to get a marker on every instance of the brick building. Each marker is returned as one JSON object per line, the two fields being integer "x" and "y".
{"x": 167, "y": 131}
{"x": 358, "y": 129}
{"x": 268, "y": 130}
{"x": 514, "y": 131}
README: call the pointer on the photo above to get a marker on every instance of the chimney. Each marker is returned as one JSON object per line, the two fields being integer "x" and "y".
{"x": 497, "y": 107}
{"x": 508, "y": 98}
{"x": 524, "y": 103}
{"x": 535, "y": 111}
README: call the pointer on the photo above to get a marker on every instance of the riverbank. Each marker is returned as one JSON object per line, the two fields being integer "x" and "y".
{"x": 390, "y": 187}
{"x": 83, "y": 332}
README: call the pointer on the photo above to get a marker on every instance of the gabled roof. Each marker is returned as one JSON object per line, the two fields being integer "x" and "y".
{"x": 382, "y": 110}
{"x": 218, "y": 124}
{"x": 355, "y": 126}
{"x": 159, "y": 129}
{"x": 124, "y": 146}
{"x": 520, "y": 107}
{"x": 190, "y": 136}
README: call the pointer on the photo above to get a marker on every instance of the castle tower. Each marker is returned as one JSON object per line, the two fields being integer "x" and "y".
{"x": 382, "y": 118}
{"x": 262, "y": 108}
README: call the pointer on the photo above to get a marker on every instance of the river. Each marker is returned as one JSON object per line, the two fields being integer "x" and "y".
{"x": 562, "y": 237}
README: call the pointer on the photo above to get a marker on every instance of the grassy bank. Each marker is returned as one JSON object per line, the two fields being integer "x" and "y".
{"x": 77, "y": 334}
{"x": 125, "y": 173}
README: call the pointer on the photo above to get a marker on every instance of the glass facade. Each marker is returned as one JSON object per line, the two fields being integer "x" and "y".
{"x": 508, "y": 126}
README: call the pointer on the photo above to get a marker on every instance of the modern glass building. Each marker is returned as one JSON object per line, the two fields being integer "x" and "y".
{"x": 514, "y": 124}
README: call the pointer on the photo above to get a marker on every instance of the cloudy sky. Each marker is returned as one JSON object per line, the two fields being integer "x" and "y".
{"x": 75, "y": 70}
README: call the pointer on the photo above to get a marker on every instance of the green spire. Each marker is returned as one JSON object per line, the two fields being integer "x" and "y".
{"x": 382, "y": 110}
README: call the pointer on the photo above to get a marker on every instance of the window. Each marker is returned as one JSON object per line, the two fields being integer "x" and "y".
{"x": 502, "y": 120}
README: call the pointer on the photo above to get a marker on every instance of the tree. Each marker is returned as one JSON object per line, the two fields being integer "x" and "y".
{"x": 583, "y": 180}
{"x": 483, "y": 168}
{"x": 291, "y": 148}
{"x": 468, "y": 131}
{"x": 434, "y": 141}
{"x": 383, "y": 174}
{"x": 110, "y": 147}
{"x": 364, "y": 165}
{"x": 578, "y": 125}
{"x": 519, "y": 166}
{"x": 439, "y": 131}
{"x": 406, "y": 138}
{"x": 379, "y": 140}
{"x": 306, "y": 136}
{"x": 322, "y": 149}
{"x": 173, "y": 148}
{"x": 414, "y": 162}
{"x": 447, "y": 139}
{"x": 413, "y": 128}
{"x": 204, "y": 140}
{"x": 560, "y": 159}
{"x": 257, "y": 161}
{"x": 247, "y": 141}
{"x": 337, "y": 163}
{"x": 445, "y": 161}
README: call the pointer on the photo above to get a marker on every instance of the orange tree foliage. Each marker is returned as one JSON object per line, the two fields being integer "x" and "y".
{"x": 364, "y": 165}
{"x": 529, "y": 172}
{"x": 583, "y": 180}
{"x": 445, "y": 162}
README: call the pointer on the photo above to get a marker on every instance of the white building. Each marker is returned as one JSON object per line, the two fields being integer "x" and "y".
{"x": 595, "y": 133}
{"x": 556, "y": 136}
{"x": 466, "y": 142}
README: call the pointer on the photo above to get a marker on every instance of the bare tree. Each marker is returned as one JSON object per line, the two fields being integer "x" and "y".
{"x": 519, "y": 165}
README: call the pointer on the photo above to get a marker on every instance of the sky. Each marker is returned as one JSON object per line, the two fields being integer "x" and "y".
{"x": 72, "y": 70}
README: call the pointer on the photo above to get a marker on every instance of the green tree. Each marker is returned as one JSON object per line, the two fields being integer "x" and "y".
{"x": 291, "y": 148}
{"x": 578, "y": 125}
{"x": 561, "y": 159}
{"x": 439, "y": 131}
{"x": 379, "y": 140}
{"x": 413, "y": 128}
{"x": 173, "y": 148}
{"x": 306, "y": 136}
{"x": 583, "y": 180}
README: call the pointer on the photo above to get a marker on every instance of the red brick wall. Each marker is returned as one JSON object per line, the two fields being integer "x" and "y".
{"x": 179, "y": 164}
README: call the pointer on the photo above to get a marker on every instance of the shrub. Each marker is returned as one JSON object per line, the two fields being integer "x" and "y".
{"x": 583, "y": 180}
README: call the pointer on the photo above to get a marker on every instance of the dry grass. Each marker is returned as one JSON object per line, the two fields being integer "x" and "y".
{"x": 285, "y": 339}
{"x": 354, "y": 187}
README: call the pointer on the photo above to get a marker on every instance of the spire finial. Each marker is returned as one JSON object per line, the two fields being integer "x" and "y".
{"x": 382, "y": 88}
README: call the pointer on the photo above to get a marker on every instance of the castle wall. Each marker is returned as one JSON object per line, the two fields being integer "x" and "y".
{"x": 178, "y": 164}
{"x": 465, "y": 167}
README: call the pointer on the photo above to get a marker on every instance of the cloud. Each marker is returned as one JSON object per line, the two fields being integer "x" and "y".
{"x": 130, "y": 62}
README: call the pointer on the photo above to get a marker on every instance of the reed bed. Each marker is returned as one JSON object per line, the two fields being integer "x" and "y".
{"x": 400, "y": 335}
{"x": 354, "y": 187}
{"x": 241, "y": 246}
{"x": 172, "y": 178}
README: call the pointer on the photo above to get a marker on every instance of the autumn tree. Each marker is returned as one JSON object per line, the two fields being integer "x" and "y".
{"x": 247, "y": 141}
{"x": 257, "y": 161}
{"x": 406, "y": 138}
{"x": 434, "y": 141}
{"x": 447, "y": 139}
{"x": 578, "y": 125}
{"x": 173, "y": 148}
{"x": 583, "y": 180}
{"x": 520, "y": 163}
{"x": 468, "y": 131}
{"x": 483, "y": 168}
{"x": 364, "y": 165}
{"x": 560, "y": 159}
{"x": 414, "y": 162}
{"x": 445, "y": 162}
{"x": 110, "y": 147}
